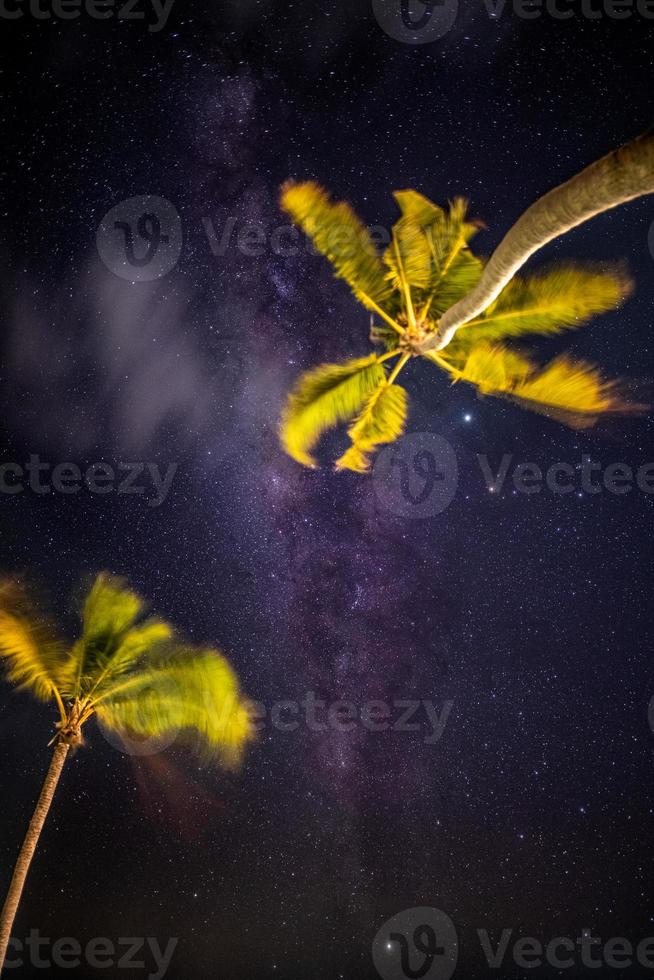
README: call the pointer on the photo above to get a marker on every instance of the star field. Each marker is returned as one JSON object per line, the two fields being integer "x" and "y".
{"x": 531, "y": 614}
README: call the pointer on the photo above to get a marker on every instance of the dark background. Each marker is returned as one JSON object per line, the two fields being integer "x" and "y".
{"x": 533, "y": 614}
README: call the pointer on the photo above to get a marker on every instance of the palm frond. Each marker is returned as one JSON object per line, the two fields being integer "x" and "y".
{"x": 323, "y": 397}
{"x": 339, "y": 235}
{"x": 191, "y": 693}
{"x": 562, "y": 298}
{"x": 418, "y": 208}
{"x": 130, "y": 651}
{"x": 33, "y": 657}
{"x": 462, "y": 275}
{"x": 456, "y": 269}
{"x": 452, "y": 234}
{"x": 381, "y": 421}
{"x": 410, "y": 256}
{"x": 571, "y": 391}
{"x": 409, "y": 259}
{"x": 110, "y": 610}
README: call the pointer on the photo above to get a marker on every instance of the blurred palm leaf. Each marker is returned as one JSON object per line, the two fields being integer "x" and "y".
{"x": 34, "y": 658}
{"x": 571, "y": 391}
{"x": 324, "y": 397}
{"x": 338, "y": 234}
{"x": 193, "y": 693}
{"x": 409, "y": 256}
{"x": 127, "y": 668}
{"x": 382, "y": 420}
{"x": 112, "y": 638}
{"x": 562, "y": 298}
{"x": 419, "y": 208}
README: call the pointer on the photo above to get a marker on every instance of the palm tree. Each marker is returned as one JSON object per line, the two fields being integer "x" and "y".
{"x": 621, "y": 176}
{"x": 426, "y": 270}
{"x": 131, "y": 674}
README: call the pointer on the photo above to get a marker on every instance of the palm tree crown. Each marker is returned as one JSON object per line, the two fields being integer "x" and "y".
{"x": 127, "y": 670}
{"x": 426, "y": 269}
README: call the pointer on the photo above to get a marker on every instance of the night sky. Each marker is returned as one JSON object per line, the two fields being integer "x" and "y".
{"x": 532, "y": 614}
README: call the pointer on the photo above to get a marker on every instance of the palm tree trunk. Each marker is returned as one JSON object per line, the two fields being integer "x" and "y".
{"x": 622, "y": 175}
{"x": 29, "y": 846}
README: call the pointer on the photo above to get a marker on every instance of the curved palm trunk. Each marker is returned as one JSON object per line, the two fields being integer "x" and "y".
{"x": 29, "y": 846}
{"x": 622, "y": 175}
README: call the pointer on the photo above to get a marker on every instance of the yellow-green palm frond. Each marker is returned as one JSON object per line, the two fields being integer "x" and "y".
{"x": 131, "y": 649}
{"x": 418, "y": 208}
{"x": 491, "y": 368}
{"x": 110, "y": 607}
{"x": 451, "y": 234}
{"x": 573, "y": 392}
{"x": 429, "y": 258}
{"x": 561, "y": 298}
{"x": 324, "y": 397}
{"x": 409, "y": 259}
{"x": 340, "y": 236}
{"x": 191, "y": 694}
{"x": 455, "y": 269}
{"x": 33, "y": 657}
{"x": 462, "y": 275}
{"x": 410, "y": 256}
{"x": 112, "y": 637}
{"x": 381, "y": 421}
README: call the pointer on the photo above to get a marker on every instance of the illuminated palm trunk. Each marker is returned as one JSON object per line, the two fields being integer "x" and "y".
{"x": 29, "y": 847}
{"x": 621, "y": 176}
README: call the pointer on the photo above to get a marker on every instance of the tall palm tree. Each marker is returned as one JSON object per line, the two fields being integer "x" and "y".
{"x": 620, "y": 176}
{"x": 131, "y": 674}
{"x": 427, "y": 269}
